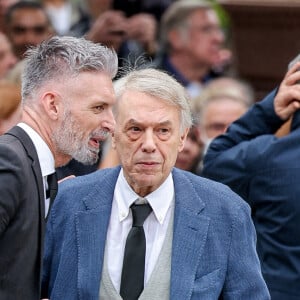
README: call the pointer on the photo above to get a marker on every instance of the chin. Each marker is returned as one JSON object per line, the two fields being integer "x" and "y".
{"x": 144, "y": 179}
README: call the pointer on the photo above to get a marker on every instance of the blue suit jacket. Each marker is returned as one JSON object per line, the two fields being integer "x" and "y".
{"x": 213, "y": 254}
{"x": 265, "y": 171}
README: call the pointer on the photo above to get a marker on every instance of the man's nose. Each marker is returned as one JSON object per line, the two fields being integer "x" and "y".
{"x": 109, "y": 121}
{"x": 149, "y": 144}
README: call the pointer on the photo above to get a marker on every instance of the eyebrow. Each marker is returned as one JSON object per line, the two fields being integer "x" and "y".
{"x": 135, "y": 122}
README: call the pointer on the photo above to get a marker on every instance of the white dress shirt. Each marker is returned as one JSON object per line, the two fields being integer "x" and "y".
{"x": 45, "y": 156}
{"x": 155, "y": 226}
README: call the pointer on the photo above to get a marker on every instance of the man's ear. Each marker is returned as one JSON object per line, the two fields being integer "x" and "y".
{"x": 183, "y": 139}
{"x": 50, "y": 102}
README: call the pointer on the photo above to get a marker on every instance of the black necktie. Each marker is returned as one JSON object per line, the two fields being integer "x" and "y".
{"x": 132, "y": 279}
{"x": 51, "y": 191}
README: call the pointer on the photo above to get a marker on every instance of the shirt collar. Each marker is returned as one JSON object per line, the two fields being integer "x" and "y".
{"x": 160, "y": 200}
{"x": 46, "y": 158}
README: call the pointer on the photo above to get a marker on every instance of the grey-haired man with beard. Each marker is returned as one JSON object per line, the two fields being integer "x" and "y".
{"x": 67, "y": 96}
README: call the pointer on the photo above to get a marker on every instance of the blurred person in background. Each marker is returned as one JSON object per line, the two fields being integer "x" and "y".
{"x": 222, "y": 101}
{"x": 131, "y": 37}
{"x": 27, "y": 25}
{"x": 142, "y": 27}
{"x": 191, "y": 43}
{"x": 7, "y": 57}
{"x": 188, "y": 159}
{"x": 10, "y": 105}
{"x": 63, "y": 14}
{"x": 93, "y": 9}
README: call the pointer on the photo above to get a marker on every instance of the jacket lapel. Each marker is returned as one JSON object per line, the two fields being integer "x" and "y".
{"x": 28, "y": 145}
{"x": 91, "y": 238}
{"x": 189, "y": 237}
{"x": 91, "y": 228}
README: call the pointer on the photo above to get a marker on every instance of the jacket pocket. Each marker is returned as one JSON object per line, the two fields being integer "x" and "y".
{"x": 208, "y": 286}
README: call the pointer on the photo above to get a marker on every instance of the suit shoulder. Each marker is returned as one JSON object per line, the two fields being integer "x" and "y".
{"x": 71, "y": 192}
{"x": 201, "y": 183}
{"x": 214, "y": 194}
{"x": 12, "y": 152}
{"x": 84, "y": 182}
{"x": 9, "y": 142}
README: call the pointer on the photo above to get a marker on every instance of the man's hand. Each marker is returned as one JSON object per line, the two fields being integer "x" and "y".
{"x": 287, "y": 100}
{"x": 109, "y": 29}
{"x": 65, "y": 178}
{"x": 142, "y": 28}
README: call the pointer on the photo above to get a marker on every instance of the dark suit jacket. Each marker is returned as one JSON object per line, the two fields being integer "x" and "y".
{"x": 265, "y": 171}
{"x": 213, "y": 251}
{"x": 21, "y": 217}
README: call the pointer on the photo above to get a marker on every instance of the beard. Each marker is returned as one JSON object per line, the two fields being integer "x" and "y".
{"x": 70, "y": 139}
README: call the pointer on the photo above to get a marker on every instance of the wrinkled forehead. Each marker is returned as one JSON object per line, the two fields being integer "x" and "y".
{"x": 134, "y": 98}
{"x": 144, "y": 108}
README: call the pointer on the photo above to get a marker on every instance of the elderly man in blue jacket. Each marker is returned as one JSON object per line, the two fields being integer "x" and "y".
{"x": 199, "y": 239}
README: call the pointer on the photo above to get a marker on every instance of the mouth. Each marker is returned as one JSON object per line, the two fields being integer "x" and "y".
{"x": 96, "y": 139}
{"x": 148, "y": 163}
{"x": 95, "y": 142}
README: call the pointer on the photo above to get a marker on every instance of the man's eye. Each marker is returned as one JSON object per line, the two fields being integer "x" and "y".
{"x": 99, "y": 107}
{"x": 135, "y": 129}
{"x": 163, "y": 130}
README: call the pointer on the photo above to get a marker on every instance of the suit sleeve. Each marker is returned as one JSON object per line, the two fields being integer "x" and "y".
{"x": 232, "y": 157}
{"x": 11, "y": 182}
{"x": 244, "y": 278}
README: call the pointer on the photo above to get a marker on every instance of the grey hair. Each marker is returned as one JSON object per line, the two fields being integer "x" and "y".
{"x": 65, "y": 56}
{"x": 160, "y": 85}
{"x": 177, "y": 15}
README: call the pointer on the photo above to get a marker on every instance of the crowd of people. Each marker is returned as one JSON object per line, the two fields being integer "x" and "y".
{"x": 135, "y": 163}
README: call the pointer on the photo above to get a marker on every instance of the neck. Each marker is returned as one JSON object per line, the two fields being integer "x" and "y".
{"x": 44, "y": 129}
{"x": 188, "y": 68}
